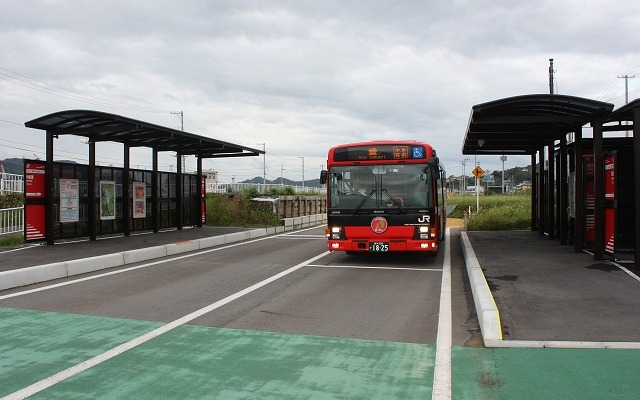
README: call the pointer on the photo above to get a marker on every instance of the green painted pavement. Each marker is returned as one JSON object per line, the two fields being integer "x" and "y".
{"x": 35, "y": 345}
{"x": 201, "y": 362}
{"x": 531, "y": 374}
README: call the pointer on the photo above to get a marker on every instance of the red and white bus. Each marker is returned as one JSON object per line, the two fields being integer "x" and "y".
{"x": 384, "y": 196}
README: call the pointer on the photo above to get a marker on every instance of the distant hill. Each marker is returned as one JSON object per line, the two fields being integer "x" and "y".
{"x": 13, "y": 166}
{"x": 285, "y": 182}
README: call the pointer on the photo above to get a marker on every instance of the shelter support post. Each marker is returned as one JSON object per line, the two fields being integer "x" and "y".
{"x": 636, "y": 170}
{"x": 563, "y": 192}
{"x": 598, "y": 185}
{"x": 126, "y": 200}
{"x": 179, "y": 190}
{"x": 534, "y": 194}
{"x": 550, "y": 186}
{"x": 154, "y": 192}
{"x": 200, "y": 193}
{"x": 540, "y": 189}
{"x": 91, "y": 189}
{"x": 48, "y": 190}
{"x": 579, "y": 223}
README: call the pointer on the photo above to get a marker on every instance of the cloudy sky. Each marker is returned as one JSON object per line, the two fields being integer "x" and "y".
{"x": 301, "y": 76}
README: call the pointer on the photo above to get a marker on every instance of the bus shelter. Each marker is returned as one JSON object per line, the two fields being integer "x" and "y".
{"x": 66, "y": 200}
{"x": 584, "y": 189}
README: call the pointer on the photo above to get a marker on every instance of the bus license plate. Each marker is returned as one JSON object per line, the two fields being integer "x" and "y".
{"x": 378, "y": 246}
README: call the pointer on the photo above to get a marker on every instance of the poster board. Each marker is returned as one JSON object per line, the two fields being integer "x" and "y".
{"x": 139, "y": 200}
{"x": 69, "y": 205}
{"x": 107, "y": 200}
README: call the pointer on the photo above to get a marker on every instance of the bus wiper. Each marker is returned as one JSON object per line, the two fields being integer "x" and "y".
{"x": 362, "y": 201}
{"x": 395, "y": 202}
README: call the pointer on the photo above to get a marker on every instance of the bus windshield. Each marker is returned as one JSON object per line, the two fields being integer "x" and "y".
{"x": 380, "y": 187}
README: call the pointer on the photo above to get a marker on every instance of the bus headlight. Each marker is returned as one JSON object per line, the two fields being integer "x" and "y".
{"x": 425, "y": 232}
{"x": 335, "y": 233}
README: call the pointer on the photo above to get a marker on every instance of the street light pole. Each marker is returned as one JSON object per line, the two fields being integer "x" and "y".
{"x": 503, "y": 159}
{"x": 302, "y": 173}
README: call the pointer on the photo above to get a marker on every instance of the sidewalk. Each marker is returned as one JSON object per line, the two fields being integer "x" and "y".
{"x": 547, "y": 295}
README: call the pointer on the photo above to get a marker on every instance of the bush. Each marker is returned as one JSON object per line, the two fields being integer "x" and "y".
{"x": 497, "y": 212}
{"x": 237, "y": 210}
{"x": 11, "y": 240}
{"x": 11, "y": 200}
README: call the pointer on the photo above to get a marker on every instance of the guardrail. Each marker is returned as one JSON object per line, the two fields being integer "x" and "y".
{"x": 11, "y": 183}
{"x": 11, "y": 220}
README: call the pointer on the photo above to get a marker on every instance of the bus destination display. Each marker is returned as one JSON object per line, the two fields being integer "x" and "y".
{"x": 381, "y": 152}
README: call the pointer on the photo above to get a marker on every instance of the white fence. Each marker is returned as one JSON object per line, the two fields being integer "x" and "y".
{"x": 11, "y": 183}
{"x": 11, "y": 220}
{"x": 261, "y": 188}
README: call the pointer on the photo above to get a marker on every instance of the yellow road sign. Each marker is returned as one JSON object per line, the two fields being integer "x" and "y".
{"x": 478, "y": 172}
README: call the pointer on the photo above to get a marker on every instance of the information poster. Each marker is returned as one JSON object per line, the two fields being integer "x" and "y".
{"x": 69, "y": 208}
{"x": 34, "y": 180}
{"x": 107, "y": 200}
{"x": 34, "y": 193}
{"x": 35, "y": 225}
{"x": 139, "y": 200}
{"x": 609, "y": 230}
{"x": 203, "y": 204}
{"x": 610, "y": 177}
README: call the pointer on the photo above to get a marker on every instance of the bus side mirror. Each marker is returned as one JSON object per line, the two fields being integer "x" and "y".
{"x": 323, "y": 177}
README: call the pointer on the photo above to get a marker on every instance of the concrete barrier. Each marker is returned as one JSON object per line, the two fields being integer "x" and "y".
{"x": 31, "y": 275}
{"x": 486, "y": 309}
{"x": 148, "y": 253}
{"x": 256, "y": 233}
{"x": 236, "y": 237}
{"x": 211, "y": 241}
{"x": 182, "y": 247}
{"x": 90, "y": 264}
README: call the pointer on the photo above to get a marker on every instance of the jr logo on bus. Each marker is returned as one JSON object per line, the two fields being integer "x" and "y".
{"x": 379, "y": 224}
{"x": 424, "y": 219}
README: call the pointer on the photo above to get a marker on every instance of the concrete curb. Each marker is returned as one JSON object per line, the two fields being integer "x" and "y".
{"x": 64, "y": 269}
{"x": 488, "y": 315}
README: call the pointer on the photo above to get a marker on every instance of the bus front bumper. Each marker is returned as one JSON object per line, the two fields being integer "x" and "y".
{"x": 383, "y": 246}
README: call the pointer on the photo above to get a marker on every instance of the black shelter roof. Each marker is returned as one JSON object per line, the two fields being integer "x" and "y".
{"x": 525, "y": 124}
{"x": 104, "y": 127}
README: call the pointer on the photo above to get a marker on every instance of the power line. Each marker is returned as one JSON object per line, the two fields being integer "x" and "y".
{"x": 54, "y": 90}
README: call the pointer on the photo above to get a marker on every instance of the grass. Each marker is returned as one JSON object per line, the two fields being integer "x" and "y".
{"x": 237, "y": 210}
{"x": 11, "y": 240}
{"x": 497, "y": 212}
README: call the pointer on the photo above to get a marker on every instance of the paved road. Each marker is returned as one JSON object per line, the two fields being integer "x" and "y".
{"x": 278, "y": 317}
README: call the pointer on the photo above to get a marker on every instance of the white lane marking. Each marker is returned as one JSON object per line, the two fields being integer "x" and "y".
{"x": 631, "y": 274}
{"x": 120, "y": 271}
{"x": 92, "y": 362}
{"x": 442, "y": 372}
{"x": 365, "y": 267}
{"x": 303, "y": 237}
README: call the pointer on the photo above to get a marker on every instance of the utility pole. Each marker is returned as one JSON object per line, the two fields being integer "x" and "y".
{"x": 626, "y": 86}
{"x": 626, "y": 91}
{"x": 463, "y": 190}
{"x": 503, "y": 158}
{"x": 551, "y": 71}
{"x": 302, "y": 173}
{"x": 281, "y": 171}
{"x": 264, "y": 164}
{"x": 180, "y": 115}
